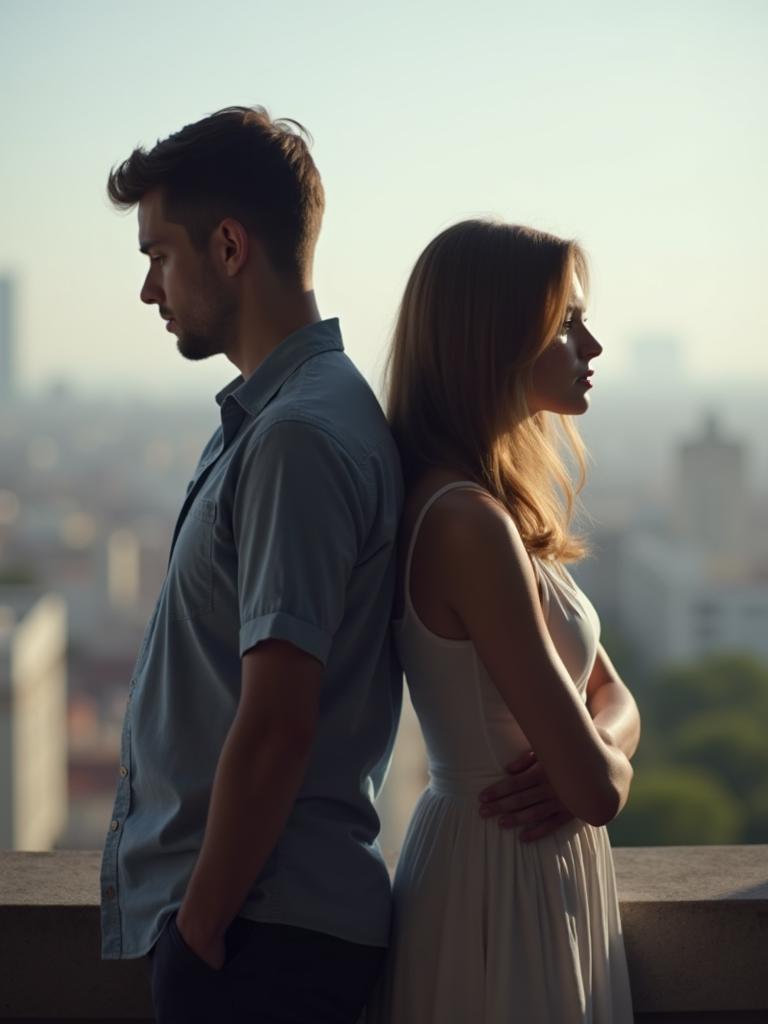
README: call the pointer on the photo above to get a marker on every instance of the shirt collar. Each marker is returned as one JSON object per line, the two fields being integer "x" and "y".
{"x": 270, "y": 375}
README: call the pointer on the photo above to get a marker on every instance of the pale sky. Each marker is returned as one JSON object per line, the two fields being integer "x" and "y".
{"x": 641, "y": 129}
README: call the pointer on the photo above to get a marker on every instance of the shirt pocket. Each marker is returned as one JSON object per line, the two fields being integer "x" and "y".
{"x": 190, "y": 576}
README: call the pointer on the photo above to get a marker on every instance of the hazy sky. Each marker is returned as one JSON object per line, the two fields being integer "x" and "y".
{"x": 641, "y": 129}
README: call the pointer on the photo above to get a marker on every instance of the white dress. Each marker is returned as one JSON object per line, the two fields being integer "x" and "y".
{"x": 488, "y": 929}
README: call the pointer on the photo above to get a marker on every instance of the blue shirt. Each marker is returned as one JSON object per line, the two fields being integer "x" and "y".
{"x": 288, "y": 531}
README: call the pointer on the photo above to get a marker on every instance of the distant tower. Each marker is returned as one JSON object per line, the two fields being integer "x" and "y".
{"x": 6, "y": 337}
{"x": 713, "y": 497}
{"x": 33, "y": 720}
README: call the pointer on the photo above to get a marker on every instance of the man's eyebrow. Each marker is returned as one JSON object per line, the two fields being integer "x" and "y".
{"x": 146, "y": 246}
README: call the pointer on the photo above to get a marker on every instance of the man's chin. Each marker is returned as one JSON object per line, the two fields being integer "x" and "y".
{"x": 195, "y": 349}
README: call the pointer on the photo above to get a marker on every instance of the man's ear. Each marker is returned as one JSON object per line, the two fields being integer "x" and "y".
{"x": 230, "y": 243}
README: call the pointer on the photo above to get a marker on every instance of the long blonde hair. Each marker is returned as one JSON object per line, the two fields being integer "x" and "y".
{"x": 483, "y": 301}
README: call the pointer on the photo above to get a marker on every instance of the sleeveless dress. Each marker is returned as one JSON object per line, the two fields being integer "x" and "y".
{"x": 488, "y": 929}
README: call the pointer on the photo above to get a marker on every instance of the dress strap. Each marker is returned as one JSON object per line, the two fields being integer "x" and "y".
{"x": 454, "y": 485}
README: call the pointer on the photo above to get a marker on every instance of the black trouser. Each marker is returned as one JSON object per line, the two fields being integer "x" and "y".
{"x": 273, "y": 974}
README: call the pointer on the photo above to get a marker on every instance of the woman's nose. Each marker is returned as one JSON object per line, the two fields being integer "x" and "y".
{"x": 590, "y": 346}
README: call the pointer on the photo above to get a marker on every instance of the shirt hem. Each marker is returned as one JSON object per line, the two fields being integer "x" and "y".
{"x": 252, "y": 914}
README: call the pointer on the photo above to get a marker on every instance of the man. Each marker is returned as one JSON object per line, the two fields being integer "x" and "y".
{"x": 261, "y": 715}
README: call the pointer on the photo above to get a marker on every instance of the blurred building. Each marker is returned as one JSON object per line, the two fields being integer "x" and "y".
{"x": 695, "y": 589}
{"x": 33, "y": 719}
{"x": 674, "y": 607}
{"x": 89, "y": 493}
{"x": 408, "y": 775}
{"x": 713, "y": 499}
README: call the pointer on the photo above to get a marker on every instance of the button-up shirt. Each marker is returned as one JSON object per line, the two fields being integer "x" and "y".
{"x": 287, "y": 531}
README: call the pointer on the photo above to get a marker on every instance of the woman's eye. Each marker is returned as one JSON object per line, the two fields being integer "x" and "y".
{"x": 567, "y": 325}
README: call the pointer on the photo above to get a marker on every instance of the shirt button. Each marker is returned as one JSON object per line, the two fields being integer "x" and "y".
{"x": 123, "y": 771}
{"x": 110, "y": 894}
{"x": 115, "y": 826}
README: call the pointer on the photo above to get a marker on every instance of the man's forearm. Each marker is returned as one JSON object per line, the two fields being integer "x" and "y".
{"x": 252, "y": 797}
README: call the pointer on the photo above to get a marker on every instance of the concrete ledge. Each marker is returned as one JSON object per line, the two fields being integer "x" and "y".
{"x": 695, "y": 922}
{"x": 50, "y": 944}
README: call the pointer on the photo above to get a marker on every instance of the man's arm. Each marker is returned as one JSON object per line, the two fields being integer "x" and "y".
{"x": 526, "y": 797}
{"x": 257, "y": 779}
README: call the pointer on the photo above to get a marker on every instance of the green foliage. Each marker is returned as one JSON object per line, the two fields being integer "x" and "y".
{"x": 674, "y": 806}
{"x": 756, "y": 824}
{"x": 702, "y": 768}
{"x": 726, "y": 682}
{"x": 18, "y": 576}
{"x": 732, "y": 747}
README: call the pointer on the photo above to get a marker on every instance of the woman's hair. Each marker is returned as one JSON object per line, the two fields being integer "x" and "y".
{"x": 484, "y": 300}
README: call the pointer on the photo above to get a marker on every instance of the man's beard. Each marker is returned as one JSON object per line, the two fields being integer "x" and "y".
{"x": 211, "y": 322}
{"x": 195, "y": 345}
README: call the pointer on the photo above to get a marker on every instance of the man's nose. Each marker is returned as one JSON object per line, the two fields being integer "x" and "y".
{"x": 150, "y": 292}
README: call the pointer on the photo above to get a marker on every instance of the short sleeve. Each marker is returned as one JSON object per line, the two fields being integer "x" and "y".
{"x": 299, "y": 523}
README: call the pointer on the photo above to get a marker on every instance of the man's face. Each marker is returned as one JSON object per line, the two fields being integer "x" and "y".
{"x": 182, "y": 282}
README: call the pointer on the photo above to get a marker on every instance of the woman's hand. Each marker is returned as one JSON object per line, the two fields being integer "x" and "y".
{"x": 526, "y": 797}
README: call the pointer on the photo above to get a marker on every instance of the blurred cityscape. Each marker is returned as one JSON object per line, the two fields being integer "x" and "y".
{"x": 676, "y": 507}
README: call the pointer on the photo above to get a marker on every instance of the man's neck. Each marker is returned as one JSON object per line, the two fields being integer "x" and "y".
{"x": 267, "y": 326}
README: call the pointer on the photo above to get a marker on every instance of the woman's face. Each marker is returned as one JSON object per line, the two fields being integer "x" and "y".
{"x": 561, "y": 381}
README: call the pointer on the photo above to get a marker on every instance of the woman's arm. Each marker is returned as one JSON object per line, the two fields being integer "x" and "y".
{"x": 526, "y": 796}
{"x": 483, "y": 574}
{"x": 612, "y": 706}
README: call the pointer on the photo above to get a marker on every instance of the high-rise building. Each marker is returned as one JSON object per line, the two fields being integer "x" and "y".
{"x": 695, "y": 592}
{"x": 33, "y": 720}
{"x": 6, "y": 337}
{"x": 713, "y": 500}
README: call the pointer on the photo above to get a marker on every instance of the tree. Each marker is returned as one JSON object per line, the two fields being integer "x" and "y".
{"x": 730, "y": 746}
{"x": 677, "y": 806}
{"x": 709, "y": 718}
{"x": 725, "y": 682}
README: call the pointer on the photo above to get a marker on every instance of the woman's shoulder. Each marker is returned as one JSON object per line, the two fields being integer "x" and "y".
{"x": 460, "y": 517}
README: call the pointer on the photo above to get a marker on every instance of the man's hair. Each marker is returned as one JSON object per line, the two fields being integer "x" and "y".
{"x": 236, "y": 163}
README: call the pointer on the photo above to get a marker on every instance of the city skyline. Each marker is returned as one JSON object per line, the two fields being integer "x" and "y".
{"x": 641, "y": 132}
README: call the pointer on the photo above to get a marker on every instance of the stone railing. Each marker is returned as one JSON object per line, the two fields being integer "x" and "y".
{"x": 695, "y": 922}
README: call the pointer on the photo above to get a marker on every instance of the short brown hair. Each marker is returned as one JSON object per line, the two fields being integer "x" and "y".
{"x": 482, "y": 303}
{"x": 235, "y": 163}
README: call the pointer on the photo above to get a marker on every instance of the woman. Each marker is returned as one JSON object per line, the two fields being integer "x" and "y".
{"x": 501, "y": 649}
